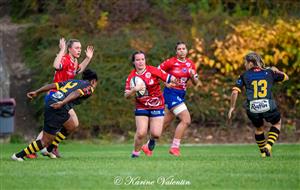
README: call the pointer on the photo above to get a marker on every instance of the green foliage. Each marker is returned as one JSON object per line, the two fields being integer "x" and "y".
{"x": 117, "y": 28}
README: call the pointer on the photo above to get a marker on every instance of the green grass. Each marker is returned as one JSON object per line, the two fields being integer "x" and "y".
{"x": 91, "y": 166}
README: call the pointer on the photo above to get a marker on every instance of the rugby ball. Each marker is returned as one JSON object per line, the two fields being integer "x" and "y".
{"x": 137, "y": 81}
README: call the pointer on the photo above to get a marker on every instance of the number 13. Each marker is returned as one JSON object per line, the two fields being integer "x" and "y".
{"x": 263, "y": 88}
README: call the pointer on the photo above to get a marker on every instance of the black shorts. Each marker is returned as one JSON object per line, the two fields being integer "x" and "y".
{"x": 270, "y": 116}
{"x": 54, "y": 118}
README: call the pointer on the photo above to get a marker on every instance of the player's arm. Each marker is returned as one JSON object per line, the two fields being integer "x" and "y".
{"x": 89, "y": 52}
{"x": 132, "y": 91}
{"x": 45, "y": 88}
{"x": 234, "y": 96}
{"x": 278, "y": 72}
{"x": 194, "y": 76}
{"x": 72, "y": 96}
{"x": 57, "y": 61}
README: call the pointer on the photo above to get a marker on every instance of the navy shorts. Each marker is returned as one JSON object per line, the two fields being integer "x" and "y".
{"x": 54, "y": 118}
{"x": 173, "y": 97}
{"x": 150, "y": 113}
{"x": 270, "y": 116}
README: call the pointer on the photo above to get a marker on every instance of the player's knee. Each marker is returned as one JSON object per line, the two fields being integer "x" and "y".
{"x": 186, "y": 121}
{"x": 259, "y": 130}
{"x": 140, "y": 135}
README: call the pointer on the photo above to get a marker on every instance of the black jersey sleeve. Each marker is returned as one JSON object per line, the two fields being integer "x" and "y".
{"x": 239, "y": 84}
{"x": 278, "y": 76}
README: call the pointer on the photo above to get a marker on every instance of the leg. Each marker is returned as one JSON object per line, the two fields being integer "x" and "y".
{"x": 141, "y": 132}
{"x": 169, "y": 117}
{"x": 35, "y": 146}
{"x": 273, "y": 135}
{"x": 156, "y": 127}
{"x": 34, "y": 155}
{"x": 183, "y": 114}
{"x": 260, "y": 140}
{"x": 68, "y": 127}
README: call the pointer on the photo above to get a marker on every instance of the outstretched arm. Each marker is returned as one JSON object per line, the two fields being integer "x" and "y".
{"x": 68, "y": 99}
{"x": 234, "y": 96}
{"x": 45, "y": 88}
{"x": 89, "y": 54}
{"x": 57, "y": 62}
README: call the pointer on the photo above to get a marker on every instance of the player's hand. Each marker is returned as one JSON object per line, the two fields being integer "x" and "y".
{"x": 62, "y": 44}
{"x": 89, "y": 52}
{"x": 230, "y": 113}
{"x": 31, "y": 95}
{"x": 57, "y": 105}
{"x": 193, "y": 74}
{"x": 139, "y": 87}
{"x": 274, "y": 69}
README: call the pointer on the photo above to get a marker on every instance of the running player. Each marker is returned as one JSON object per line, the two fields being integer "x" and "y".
{"x": 56, "y": 116}
{"x": 149, "y": 112}
{"x": 67, "y": 67}
{"x": 184, "y": 69}
{"x": 259, "y": 105}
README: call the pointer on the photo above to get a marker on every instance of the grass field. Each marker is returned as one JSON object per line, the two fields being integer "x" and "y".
{"x": 91, "y": 166}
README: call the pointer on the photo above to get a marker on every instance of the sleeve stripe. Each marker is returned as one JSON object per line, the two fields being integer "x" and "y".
{"x": 81, "y": 92}
{"x": 168, "y": 78}
{"x": 57, "y": 86}
{"x": 236, "y": 88}
{"x": 285, "y": 77}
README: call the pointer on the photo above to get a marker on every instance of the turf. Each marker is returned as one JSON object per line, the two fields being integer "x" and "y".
{"x": 91, "y": 166}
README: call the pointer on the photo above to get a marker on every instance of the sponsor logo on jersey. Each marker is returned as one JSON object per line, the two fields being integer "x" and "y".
{"x": 184, "y": 70}
{"x": 188, "y": 64}
{"x": 148, "y": 75}
{"x": 151, "y": 82}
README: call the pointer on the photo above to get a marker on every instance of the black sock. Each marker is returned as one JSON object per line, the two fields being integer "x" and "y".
{"x": 33, "y": 147}
{"x": 151, "y": 144}
{"x": 261, "y": 141}
{"x": 60, "y": 136}
{"x": 273, "y": 135}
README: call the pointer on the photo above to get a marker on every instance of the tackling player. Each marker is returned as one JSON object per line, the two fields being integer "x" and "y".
{"x": 260, "y": 104}
{"x": 149, "y": 112}
{"x": 56, "y": 115}
{"x": 67, "y": 67}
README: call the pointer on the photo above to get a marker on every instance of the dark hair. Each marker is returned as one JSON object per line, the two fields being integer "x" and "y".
{"x": 89, "y": 75}
{"x": 255, "y": 58}
{"x": 135, "y": 53}
{"x": 180, "y": 42}
{"x": 70, "y": 43}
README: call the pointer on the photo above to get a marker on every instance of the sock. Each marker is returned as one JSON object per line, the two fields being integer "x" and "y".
{"x": 151, "y": 144}
{"x": 33, "y": 147}
{"x": 60, "y": 136}
{"x": 273, "y": 135}
{"x": 261, "y": 141}
{"x": 176, "y": 143}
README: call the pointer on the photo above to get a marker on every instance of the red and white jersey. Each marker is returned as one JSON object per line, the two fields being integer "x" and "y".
{"x": 67, "y": 71}
{"x": 179, "y": 69}
{"x": 154, "y": 98}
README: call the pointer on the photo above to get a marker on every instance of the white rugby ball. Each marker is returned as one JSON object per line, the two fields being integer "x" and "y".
{"x": 137, "y": 81}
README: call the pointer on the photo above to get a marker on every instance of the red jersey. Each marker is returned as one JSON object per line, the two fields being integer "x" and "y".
{"x": 154, "y": 98}
{"x": 179, "y": 69}
{"x": 68, "y": 69}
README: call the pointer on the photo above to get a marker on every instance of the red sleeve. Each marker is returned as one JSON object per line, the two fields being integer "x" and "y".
{"x": 160, "y": 74}
{"x": 127, "y": 83}
{"x": 165, "y": 65}
{"x": 63, "y": 63}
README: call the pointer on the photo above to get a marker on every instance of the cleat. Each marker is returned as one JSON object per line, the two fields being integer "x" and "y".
{"x": 134, "y": 156}
{"x": 146, "y": 150}
{"x": 56, "y": 152}
{"x": 32, "y": 156}
{"x": 15, "y": 158}
{"x": 49, "y": 154}
{"x": 263, "y": 154}
{"x": 268, "y": 150}
{"x": 175, "y": 151}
